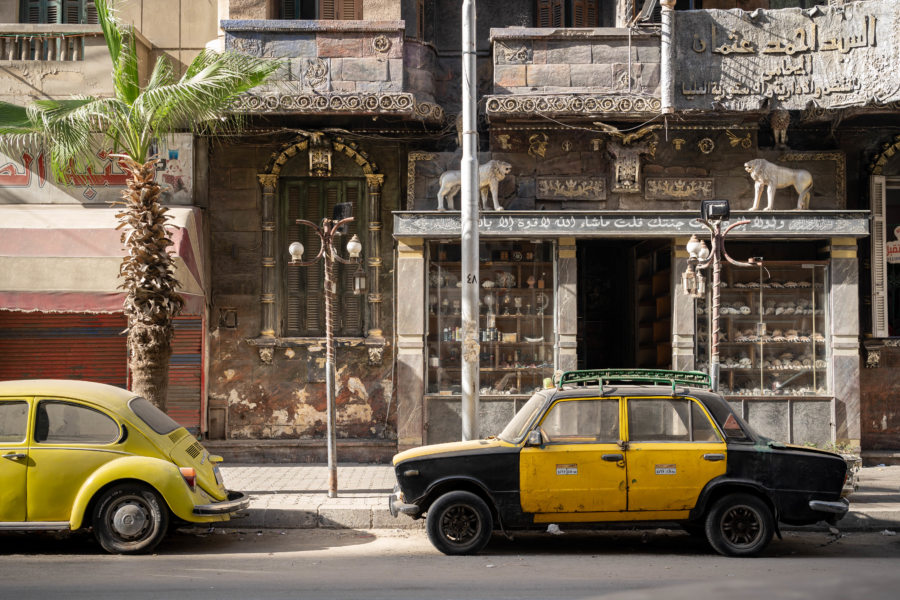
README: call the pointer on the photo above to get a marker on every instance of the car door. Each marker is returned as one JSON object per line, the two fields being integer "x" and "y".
{"x": 70, "y": 441}
{"x": 673, "y": 451}
{"x": 13, "y": 458}
{"x": 579, "y": 468}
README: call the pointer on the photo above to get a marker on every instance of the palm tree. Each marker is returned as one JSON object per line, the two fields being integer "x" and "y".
{"x": 131, "y": 122}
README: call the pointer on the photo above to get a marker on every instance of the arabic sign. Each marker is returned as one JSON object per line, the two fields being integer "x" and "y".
{"x": 794, "y": 224}
{"x": 830, "y": 56}
{"x": 27, "y": 177}
{"x": 892, "y": 252}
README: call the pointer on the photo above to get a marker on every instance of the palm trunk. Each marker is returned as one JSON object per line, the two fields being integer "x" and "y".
{"x": 151, "y": 302}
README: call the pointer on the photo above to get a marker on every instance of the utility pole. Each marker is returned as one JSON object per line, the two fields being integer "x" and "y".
{"x": 469, "y": 227}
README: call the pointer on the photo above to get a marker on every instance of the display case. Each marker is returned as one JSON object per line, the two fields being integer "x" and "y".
{"x": 773, "y": 330}
{"x": 516, "y": 317}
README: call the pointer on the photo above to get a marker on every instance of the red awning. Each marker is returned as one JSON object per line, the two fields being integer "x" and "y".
{"x": 65, "y": 258}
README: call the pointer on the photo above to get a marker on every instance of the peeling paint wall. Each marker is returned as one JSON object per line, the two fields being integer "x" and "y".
{"x": 287, "y": 398}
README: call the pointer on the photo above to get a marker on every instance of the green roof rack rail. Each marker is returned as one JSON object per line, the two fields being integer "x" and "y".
{"x": 637, "y": 376}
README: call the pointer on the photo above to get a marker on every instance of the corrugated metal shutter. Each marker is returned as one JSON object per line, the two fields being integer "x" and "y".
{"x": 186, "y": 372}
{"x": 878, "y": 202}
{"x": 82, "y": 346}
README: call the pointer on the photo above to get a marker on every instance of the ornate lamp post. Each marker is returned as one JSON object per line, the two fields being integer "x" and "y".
{"x": 713, "y": 213}
{"x": 329, "y": 230}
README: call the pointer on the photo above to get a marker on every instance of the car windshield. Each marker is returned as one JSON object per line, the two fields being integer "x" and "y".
{"x": 515, "y": 430}
{"x": 156, "y": 419}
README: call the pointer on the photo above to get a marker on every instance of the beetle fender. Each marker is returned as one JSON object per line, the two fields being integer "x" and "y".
{"x": 162, "y": 475}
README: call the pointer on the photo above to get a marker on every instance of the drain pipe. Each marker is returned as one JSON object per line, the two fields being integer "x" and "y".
{"x": 667, "y": 58}
{"x": 469, "y": 227}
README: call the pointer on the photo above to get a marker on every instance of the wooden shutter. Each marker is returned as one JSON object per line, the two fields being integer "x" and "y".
{"x": 42, "y": 11}
{"x": 351, "y": 305}
{"x": 312, "y": 277}
{"x": 584, "y": 13}
{"x": 288, "y": 9}
{"x": 90, "y": 13}
{"x": 293, "y": 301}
{"x": 340, "y": 9}
{"x": 550, "y": 13}
{"x": 878, "y": 201}
{"x": 72, "y": 11}
{"x": 328, "y": 9}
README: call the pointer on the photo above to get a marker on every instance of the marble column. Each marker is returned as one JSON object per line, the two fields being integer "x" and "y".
{"x": 410, "y": 325}
{"x": 683, "y": 309}
{"x": 845, "y": 368}
{"x": 567, "y": 306}
{"x": 269, "y": 184}
{"x": 375, "y": 299}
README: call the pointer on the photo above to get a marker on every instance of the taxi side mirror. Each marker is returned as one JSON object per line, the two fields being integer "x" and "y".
{"x": 535, "y": 438}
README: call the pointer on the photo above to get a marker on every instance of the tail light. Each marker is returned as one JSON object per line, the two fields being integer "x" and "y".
{"x": 189, "y": 475}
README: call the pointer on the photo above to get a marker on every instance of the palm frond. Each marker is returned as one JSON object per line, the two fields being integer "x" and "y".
{"x": 120, "y": 40}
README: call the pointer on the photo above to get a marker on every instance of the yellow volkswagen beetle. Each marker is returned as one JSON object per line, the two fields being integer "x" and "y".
{"x": 77, "y": 454}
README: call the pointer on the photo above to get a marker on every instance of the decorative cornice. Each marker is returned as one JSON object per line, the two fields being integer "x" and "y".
{"x": 401, "y": 103}
{"x": 587, "y": 105}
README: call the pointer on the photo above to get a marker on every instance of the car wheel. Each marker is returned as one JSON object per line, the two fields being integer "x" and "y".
{"x": 130, "y": 519}
{"x": 459, "y": 523}
{"x": 739, "y": 525}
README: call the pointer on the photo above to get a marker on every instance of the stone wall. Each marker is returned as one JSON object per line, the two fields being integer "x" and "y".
{"x": 175, "y": 28}
{"x": 284, "y": 398}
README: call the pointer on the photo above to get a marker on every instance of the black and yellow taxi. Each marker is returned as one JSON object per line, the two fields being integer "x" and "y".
{"x": 621, "y": 446}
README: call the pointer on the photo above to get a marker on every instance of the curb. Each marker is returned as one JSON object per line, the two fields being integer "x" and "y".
{"x": 325, "y": 517}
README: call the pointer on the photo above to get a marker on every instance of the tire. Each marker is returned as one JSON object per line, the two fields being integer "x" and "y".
{"x": 739, "y": 525}
{"x": 459, "y": 523}
{"x": 130, "y": 519}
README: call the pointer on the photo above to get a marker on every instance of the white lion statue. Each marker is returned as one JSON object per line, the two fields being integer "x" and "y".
{"x": 490, "y": 174}
{"x": 774, "y": 177}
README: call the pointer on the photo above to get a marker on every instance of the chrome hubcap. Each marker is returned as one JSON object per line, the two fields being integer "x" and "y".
{"x": 130, "y": 519}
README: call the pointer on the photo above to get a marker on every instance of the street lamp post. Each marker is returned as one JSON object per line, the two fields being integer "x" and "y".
{"x": 713, "y": 213}
{"x": 329, "y": 230}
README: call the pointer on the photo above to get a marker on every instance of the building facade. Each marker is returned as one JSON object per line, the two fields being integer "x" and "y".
{"x": 603, "y": 127}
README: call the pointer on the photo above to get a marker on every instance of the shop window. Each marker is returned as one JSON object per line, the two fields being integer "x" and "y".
{"x": 516, "y": 317}
{"x": 343, "y": 10}
{"x": 567, "y": 13}
{"x": 885, "y": 256}
{"x": 303, "y": 291}
{"x": 59, "y": 11}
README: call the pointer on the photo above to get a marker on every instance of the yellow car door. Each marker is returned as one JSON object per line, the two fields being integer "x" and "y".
{"x": 579, "y": 468}
{"x": 674, "y": 450}
{"x": 13, "y": 458}
{"x": 71, "y": 440}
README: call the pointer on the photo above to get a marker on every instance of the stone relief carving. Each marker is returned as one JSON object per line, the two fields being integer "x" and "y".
{"x": 666, "y": 188}
{"x": 569, "y": 104}
{"x": 779, "y": 120}
{"x": 363, "y": 103}
{"x": 706, "y": 145}
{"x": 251, "y": 46}
{"x": 520, "y": 55}
{"x": 316, "y": 72}
{"x": 376, "y": 355}
{"x": 571, "y": 187}
{"x": 772, "y": 177}
{"x": 266, "y": 354}
{"x": 537, "y": 145}
{"x": 411, "y": 161}
{"x": 735, "y": 140}
{"x": 381, "y": 44}
{"x": 627, "y": 154}
{"x": 490, "y": 174}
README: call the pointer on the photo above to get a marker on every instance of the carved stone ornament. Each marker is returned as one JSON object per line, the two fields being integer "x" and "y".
{"x": 572, "y": 104}
{"x": 316, "y": 72}
{"x": 267, "y": 180}
{"x": 353, "y": 103}
{"x": 678, "y": 188}
{"x": 571, "y": 187}
{"x": 381, "y": 44}
{"x": 537, "y": 145}
{"x": 412, "y": 159}
{"x": 519, "y": 55}
{"x": 627, "y": 166}
{"x": 706, "y": 145}
{"x": 490, "y": 174}
{"x": 376, "y": 355}
{"x": 266, "y": 354}
{"x": 772, "y": 177}
{"x": 319, "y": 156}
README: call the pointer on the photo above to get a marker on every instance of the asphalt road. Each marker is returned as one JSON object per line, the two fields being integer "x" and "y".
{"x": 399, "y": 565}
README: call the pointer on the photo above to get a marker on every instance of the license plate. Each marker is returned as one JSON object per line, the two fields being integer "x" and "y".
{"x": 218, "y": 475}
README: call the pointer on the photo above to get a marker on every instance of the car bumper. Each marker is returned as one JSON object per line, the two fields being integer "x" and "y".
{"x": 237, "y": 501}
{"x": 397, "y": 506}
{"x": 835, "y": 509}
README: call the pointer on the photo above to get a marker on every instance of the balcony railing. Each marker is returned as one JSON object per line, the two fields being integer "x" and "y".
{"x": 65, "y": 43}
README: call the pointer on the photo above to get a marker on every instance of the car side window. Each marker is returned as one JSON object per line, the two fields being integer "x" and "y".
{"x": 64, "y": 422}
{"x": 668, "y": 420}
{"x": 572, "y": 421}
{"x": 13, "y": 421}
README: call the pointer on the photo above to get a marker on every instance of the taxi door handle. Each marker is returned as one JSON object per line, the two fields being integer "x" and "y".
{"x": 713, "y": 457}
{"x": 16, "y": 456}
{"x": 612, "y": 457}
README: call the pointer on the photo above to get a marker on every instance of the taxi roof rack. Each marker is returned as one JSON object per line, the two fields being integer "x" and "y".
{"x": 636, "y": 376}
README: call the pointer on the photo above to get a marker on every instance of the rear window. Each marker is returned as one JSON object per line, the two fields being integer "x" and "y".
{"x": 156, "y": 419}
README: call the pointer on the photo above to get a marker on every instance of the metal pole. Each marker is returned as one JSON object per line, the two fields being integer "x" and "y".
{"x": 667, "y": 56}
{"x": 716, "y": 279}
{"x": 329, "y": 359}
{"x": 469, "y": 219}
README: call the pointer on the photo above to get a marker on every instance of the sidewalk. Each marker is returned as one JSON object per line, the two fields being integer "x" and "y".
{"x": 291, "y": 496}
